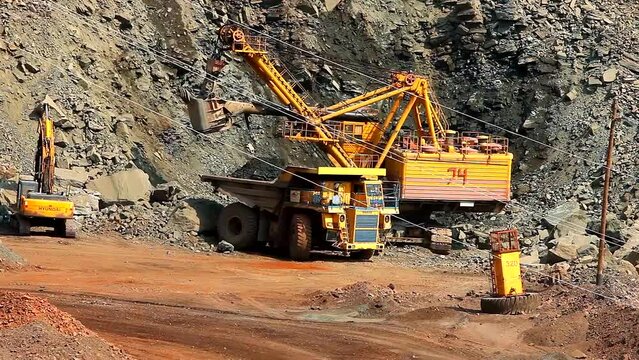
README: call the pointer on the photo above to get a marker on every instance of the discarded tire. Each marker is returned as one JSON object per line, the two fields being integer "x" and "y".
{"x": 237, "y": 224}
{"x": 300, "y": 237}
{"x": 511, "y": 305}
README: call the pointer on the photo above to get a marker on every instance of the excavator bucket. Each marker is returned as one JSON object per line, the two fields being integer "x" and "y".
{"x": 48, "y": 101}
{"x": 215, "y": 115}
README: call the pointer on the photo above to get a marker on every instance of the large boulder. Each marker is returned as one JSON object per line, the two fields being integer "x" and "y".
{"x": 567, "y": 218}
{"x": 7, "y": 171}
{"x": 85, "y": 203}
{"x": 8, "y": 198}
{"x": 563, "y": 251}
{"x": 196, "y": 215}
{"x": 568, "y": 247}
{"x": 631, "y": 238}
{"x": 531, "y": 259}
{"x": 331, "y": 4}
{"x": 125, "y": 187}
{"x": 185, "y": 218}
{"x": 625, "y": 267}
{"x": 165, "y": 192}
{"x": 74, "y": 178}
{"x": 632, "y": 257}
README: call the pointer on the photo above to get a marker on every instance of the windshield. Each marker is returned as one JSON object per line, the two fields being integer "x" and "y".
{"x": 374, "y": 189}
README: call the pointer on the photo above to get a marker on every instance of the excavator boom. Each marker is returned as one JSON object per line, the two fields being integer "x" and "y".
{"x": 214, "y": 115}
{"x": 45, "y": 153}
{"x": 253, "y": 50}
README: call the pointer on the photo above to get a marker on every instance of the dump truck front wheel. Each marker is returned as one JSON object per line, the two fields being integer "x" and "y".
{"x": 300, "y": 237}
{"x": 514, "y": 305}
{"x": 238, "y": 225}
{"x": 362, "y": 254}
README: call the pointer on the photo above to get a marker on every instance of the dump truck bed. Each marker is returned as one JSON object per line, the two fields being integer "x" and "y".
{"x": 268, "y": 195}
{"x": 264, "y": 194}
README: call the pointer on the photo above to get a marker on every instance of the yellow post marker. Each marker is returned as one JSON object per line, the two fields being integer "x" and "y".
{"x": 508, "y": 295}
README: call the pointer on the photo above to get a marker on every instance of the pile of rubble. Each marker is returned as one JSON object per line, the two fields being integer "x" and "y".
{"x": 33, "y": 328}
{"x": 128, "y": 204}
{"x": 370, "y": 300}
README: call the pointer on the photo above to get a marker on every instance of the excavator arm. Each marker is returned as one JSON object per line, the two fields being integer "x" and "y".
{"x": 45, "y": 152}
{"x": 214, "y": 114}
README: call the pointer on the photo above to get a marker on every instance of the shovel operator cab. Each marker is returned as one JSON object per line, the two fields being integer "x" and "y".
{"x": 304, "y": 209}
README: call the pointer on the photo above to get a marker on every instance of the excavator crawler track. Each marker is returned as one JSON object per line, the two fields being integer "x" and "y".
{"x": 70, "y": 228}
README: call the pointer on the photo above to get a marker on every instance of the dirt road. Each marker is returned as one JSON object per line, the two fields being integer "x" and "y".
{"x": 159, "y": 302}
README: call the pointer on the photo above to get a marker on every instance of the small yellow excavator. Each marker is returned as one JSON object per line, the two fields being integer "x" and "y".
{"x": 37, "y": 203}
{"x": 508, "y": 295}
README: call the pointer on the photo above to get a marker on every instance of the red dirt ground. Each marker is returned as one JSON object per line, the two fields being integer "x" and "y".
{"x": 164, "y": 303}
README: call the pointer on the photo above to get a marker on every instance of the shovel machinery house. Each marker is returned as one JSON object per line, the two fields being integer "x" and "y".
{"x": 437, "y": 169}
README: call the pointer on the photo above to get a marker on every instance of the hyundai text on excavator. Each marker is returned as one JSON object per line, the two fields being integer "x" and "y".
{"x": 438, "y": 169}
{"x": 37, "y": 203}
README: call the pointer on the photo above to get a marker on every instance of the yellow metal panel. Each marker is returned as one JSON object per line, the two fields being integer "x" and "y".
{"x": 366, "y": 246}
{"x": 350, "y": 171}
{"x": 508, "y": 274}
{"x": 47, "y": 208}
{"x": 453, "y": 176}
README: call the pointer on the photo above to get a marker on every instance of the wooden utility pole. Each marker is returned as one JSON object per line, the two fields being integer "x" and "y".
{"x": 604, "y": 202}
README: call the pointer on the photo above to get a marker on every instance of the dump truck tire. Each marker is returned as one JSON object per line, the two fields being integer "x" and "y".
{"x": 511, "y": 305}
{"x": 300, "y": 237}
{"x": 238, "y": 224}
{"x": 362, "y": 254}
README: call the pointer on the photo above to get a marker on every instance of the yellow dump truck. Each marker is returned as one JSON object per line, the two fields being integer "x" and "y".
{"x": 304, "y": 209}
